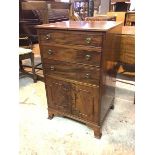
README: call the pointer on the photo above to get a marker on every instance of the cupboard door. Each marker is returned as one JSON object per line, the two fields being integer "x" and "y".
{"x": 85, "y": 103}
{"x": 59, "y": 95}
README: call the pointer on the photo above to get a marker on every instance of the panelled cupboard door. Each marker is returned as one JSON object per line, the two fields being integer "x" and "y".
{"x": 85, "y": 103}
{"x": 59, "y": 95}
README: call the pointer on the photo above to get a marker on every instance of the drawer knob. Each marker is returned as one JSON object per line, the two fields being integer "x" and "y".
{"x": 50, "y": 52}
{"x": 52, "y": 68}
{"x": 87, "y": 57}
{"x": 88, "y": 40}
{"x": 87, "y": 76}
{"x": 65, "y": 88}
{"x": 48, "y": 36}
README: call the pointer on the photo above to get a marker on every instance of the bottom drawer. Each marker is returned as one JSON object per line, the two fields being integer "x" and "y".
{"x": 71, "y": 71}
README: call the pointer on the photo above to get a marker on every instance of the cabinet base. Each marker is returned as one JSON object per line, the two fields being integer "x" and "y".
{"x": 50, "y": 116}
{"x": 112, "y": 104}
{"x": 96, "y": 128}
{"x": 97, "y": 134}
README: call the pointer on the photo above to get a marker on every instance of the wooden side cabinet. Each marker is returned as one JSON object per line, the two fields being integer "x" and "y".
{"x": 79, "y": 61}
{"x": 130, "y": 19}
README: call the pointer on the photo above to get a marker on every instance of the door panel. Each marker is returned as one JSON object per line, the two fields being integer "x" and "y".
{"x": 59, "y": 95}
{"x": 85, "y": 102}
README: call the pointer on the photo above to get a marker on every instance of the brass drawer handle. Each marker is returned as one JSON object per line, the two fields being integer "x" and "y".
{"x": 88, "y": 40}
{"x": 48, "y": 36}
{"x": 66, "y": 88}
{"x": 87, "y": 76}
{"x": 50, "y": 52}
{"x": 52, "y": 68}
{"x": 87, "y": 57}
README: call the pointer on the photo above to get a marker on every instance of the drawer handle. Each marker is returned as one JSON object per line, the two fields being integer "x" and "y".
{"x": 88, "y": 40}
{"x": 65, "y": 88}
{"x": 50, "y": 52}
{"x": 52, "y": 68}
{"x": 87, "y": 76}
{"x": 87, "y": 57}
{"x": 48, "y": 36}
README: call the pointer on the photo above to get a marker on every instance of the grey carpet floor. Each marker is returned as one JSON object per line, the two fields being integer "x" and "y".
{"x": 63, "y": 136}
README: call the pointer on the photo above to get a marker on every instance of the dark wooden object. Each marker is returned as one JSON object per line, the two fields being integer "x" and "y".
{"x": 79, "y": 67}
{"x": 119, "y": 5}
{"x": 37, "y": 12}
{"x": 101, "y": 18}
{"x": 25, "y": 43}
{"x": 127, "y": 45}
{"x": 130, "y": 19}
{"x": 127, "y": 54}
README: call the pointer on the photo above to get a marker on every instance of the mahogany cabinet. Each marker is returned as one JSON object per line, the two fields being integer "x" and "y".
{"x": 79, "y": 60}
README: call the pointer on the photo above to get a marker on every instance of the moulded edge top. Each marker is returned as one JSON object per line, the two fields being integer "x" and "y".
{"x": 81, "y": 25}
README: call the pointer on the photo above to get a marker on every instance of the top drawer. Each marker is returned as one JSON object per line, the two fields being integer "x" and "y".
{"x": 93, "y": 39}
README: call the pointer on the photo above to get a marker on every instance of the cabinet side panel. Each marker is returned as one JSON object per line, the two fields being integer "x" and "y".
{"x": 110, "y": 56}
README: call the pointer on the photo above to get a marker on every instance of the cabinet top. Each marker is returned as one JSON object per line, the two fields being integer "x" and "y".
{"x": 81, "y": 25}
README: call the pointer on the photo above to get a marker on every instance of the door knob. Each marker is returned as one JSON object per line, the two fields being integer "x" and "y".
{"x": 87, "y": 76}
{"x": 52, "y": 68}
{"x": 88, "y": 40}
{"x": 50, "y": 52}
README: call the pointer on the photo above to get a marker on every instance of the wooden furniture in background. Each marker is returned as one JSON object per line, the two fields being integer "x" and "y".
{"x": 39, "y": 8}
{"x": 79, "y": 60}
{"x": 130, "y": 18}
{"x": 46, "y": 11}
{"x": 119, "y": 5}
{"x": 120, "y": 16}
{"x": 127, "y": 45}
{"x": 120, "y": 1}
{"x": 25, "y": 52}
{"x": 101, "y": 18}
{"x": 126, "y": 64}
{"x": 40, "y": 12}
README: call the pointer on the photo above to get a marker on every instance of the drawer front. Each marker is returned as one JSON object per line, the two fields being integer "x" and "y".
{"x": 71, "y": 55}
{"x": 71, "y": 38}
{"x": 72, "y": 71}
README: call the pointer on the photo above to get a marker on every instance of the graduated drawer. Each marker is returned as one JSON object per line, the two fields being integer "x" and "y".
{"x": 72, "y": 71}
{"x": 71, "y": 38}
{"x": 71, "y": 55}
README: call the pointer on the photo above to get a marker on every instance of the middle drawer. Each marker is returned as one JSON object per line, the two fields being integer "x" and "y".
{"x": 71, "y": 55}
{"x": 72, "y": 71}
